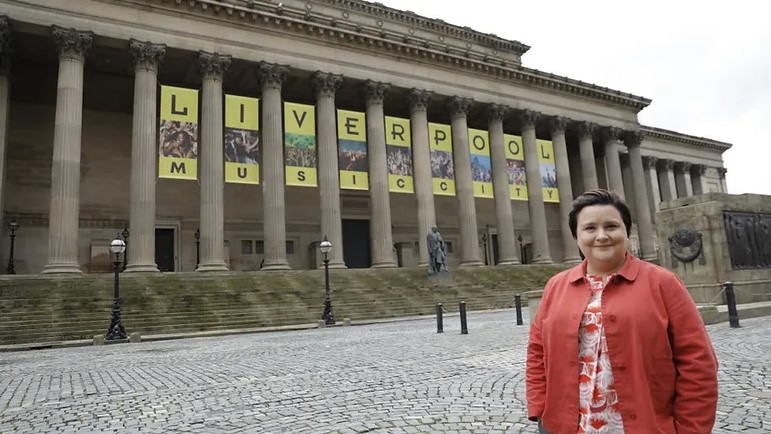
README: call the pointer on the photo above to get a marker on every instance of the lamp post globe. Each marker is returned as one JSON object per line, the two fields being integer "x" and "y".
{"x": 116, "y": 331}
{"x": 328, "y": 316}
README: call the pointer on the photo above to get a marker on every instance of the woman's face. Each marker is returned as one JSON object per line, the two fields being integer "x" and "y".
{"x": 601, "y": 236}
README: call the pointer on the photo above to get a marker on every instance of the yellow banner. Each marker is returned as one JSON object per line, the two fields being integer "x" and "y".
{"x": 352, "y": 148}
{"x": 442, "y": 166}
{"x": 178, "y": 134}
{"x": 515, "y": 166}
{"x": 548, "y": 169}
{"x": 481, "y": 166}
{"x": 399, "y": 155}
{"x": 300, "y": 144}
{"x": 242, "y": 140}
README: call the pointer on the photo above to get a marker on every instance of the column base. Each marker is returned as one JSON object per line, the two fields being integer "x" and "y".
{"x": 212, "y": 266}
{"x": 505, "y": 262}
{"x": 572, "y": 260}
{"x": 62, "y": 268}
{"x": 276, "y": 266}
{"x": 651, "y": 258}
{"x": 335, "y": 265}
{"x": 543, "y": 261}
{"x": 390, "y": 264}
{"x": 472, "y": 263}
{"x": 142, "y": 268}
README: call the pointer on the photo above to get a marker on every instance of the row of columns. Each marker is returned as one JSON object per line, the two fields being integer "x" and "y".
{"x": 667, "y": 179}
{"x": 73, "y": 47}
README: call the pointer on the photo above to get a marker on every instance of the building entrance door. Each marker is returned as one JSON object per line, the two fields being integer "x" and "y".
{"x": 356, "y": 252}
{"x": 164, "y": 249}
{"x": 496, "y": 257}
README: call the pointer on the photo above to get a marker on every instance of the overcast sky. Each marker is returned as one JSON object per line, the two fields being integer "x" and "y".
{"x": 705, "y": 65}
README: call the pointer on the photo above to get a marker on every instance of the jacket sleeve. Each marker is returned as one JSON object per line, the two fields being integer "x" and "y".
{"x": 696, "y": 388}
{"x": 535, "y": 374}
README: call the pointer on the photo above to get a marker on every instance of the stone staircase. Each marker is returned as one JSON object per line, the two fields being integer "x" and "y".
{"x": 35, "y": 309}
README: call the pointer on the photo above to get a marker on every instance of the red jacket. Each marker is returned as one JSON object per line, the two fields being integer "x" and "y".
{"x": 664, "y": 367}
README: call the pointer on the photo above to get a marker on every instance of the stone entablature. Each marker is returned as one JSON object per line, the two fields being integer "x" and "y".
{"x": 679, "y": 138}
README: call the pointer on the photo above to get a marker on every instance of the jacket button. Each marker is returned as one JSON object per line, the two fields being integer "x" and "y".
{"x": 633, "y": 416}
{"x": 612, "y": 317}
{"x": 620, "y": 367}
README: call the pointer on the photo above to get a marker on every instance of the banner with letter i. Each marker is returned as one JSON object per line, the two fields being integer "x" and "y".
{"x": 242, "y": 140}
{"x": 481, "y": 166}
{"x": 515, "y": 166}
{"x": 300, "y": 144}
{"x": 399, "y": 155}
{"x": 178, "y": 133}
{"x": 548, "y": 167}
{"x": 442, "y": 167}
{"x": 352, "y": 148}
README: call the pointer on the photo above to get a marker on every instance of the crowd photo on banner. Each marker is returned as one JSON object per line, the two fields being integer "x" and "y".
{"x": 178, "y": 139}
{"x": 353, "y": 156}
{"x": 517, "y": 173}
{"x": 399, "y": 160}
{"x": 300, "y": 150}
{"x": 242, "y": 146}
{"x": 441, "y": 165}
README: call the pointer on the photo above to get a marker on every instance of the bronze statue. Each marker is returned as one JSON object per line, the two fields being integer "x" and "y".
{"x": 437, "y": 251}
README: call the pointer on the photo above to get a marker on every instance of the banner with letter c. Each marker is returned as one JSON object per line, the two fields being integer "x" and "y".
{"x": 242, "y": 140}
{"x": 548, "y": 168}
{"x": 515, "y": 166}
{"x": 178, "y": 134}
{"x": 481, "y": 166}
{"x": 442, "y": 166}
{"x": 352, "y": 150}
{"x": 399, "y": 155}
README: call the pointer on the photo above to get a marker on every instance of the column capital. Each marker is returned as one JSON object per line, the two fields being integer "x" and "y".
{"x": 666, "y": 164}
{"x": 683, "y": 166}
{"x": 496, "y": 112}
{"x": 698, "y": 169}
{"x": 633, "y": 139}
{"x": 146, "y": 55}
{"x": 649, "y": 162}
{"x": 71, "y": 43}
{"x": 586, "y": 128}
{"x": 529, "y": 118}
{"x": 721, "y": 171}
{"x": 212, "y": 65}
{"x": 325, "y": 83}
{"x": 419, "y": 98}
{"x": 272, "y": 75}
{"x": 5, "y": 33}
{"x": 375, "y": 91}
{"x": 610, "y": 134}
{"x": 459, "y": 106}
{"x": 558, "y": 124}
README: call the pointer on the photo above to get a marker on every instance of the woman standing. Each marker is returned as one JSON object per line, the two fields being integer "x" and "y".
{"x": 617, "y": 345}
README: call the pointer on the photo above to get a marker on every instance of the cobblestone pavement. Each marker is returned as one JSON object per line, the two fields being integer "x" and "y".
{"x": 386, "y": 378}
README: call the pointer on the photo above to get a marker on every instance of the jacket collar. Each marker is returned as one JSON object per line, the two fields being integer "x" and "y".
{"x": 628, "y": 271}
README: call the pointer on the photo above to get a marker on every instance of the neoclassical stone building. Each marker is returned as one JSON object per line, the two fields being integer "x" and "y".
{"x": 125, "y": 114}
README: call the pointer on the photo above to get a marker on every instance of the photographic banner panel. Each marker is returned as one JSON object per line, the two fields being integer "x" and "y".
{"x": 300, "y": 145}
{"x": 515, "y": 166}
{"x": 442, "y": 167}
{"x": 242, "y": 140}
{"x": 548, "y": 168}
{"x": 178, "y": 134}
{"x": 399, "y": 155}
{"x": 481, "y": 166}
{"x": 352, "y": 150}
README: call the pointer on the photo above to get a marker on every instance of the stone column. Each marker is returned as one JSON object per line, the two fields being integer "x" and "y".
{"x": 644, "y": 226}
{"x": 610, "y": 136}
{"x": 541, "y": 254}
{"x": 146, "y": 57}
{"x": 421, "y": 162}
{"x": 212, "y": 178}
{"x": 698, "y": 179}
{"x": 380, "y": 210}
{"x": 721, "y": 171}
{"x": 5, "y": 101}
{"x": 64, "y": 212}
{"x": 504, "y": 220}
{"x": 464, "y": 188}
{"x": 569, "y": 246}
{"x": 586, "y": 148}
{"x": 667, "y": 180}
{"x": 325, "y": 86}
{"x": 652, "y": 184}
{"x": 683, "y": 179}
{"x": 272, "y": 77}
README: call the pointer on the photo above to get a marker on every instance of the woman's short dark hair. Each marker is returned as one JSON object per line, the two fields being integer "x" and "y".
{"x": 599, "y": 197}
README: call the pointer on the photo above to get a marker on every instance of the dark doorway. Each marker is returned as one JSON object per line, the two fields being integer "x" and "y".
{"x": 164, "y": 249}
{"x": 356, "y": 253}
{"x": 496, "y": 256}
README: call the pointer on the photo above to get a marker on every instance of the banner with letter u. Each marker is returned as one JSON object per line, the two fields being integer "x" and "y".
{"x": 242, "y": 140}
{"x": 515, "y": 166}
{"x": 481, "y": 166}
{"x": 178, "y": 133}
{"x": 399, "y": 155}
{"x": 442, "y": 167}
{"x": 548, "y": 168}
{"x": 352, "y": 150}
{"x": 300, "y": 144}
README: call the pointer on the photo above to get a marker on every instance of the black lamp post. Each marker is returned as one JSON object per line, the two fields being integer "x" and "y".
{"x": 326, "y": 247}
{"x": 197, "y": 247}
{"x": 12, "y": 227}
{"x": 484, "y": 246}
{"x": 522, "y": 258}
{"x": 125, "y": 234}
{"x": 116, "y": 331}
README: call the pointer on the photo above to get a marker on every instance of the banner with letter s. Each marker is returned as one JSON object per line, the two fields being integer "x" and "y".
{"x": 300, "y": 144}
{"x": 242, "y": 140}
{"x": 178, "y": 133}
{"x": 352, "y": 150}
{"x": 399, "y": 155}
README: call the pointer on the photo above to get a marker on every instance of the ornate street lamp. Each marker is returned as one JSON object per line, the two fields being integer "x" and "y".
{"x": 197, "y": 247}
{"x": 521, "y": 250}
{"x": 115, "y": 331}
{"x": 12, "y": 227}
{"x": 125, "y": 234}
{"x": 326, "y": 247}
